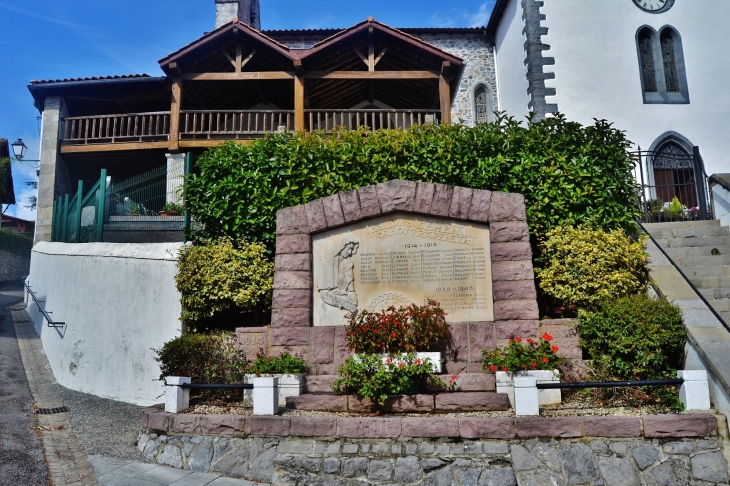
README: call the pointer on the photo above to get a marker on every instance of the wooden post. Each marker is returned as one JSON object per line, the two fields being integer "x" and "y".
{"x": 239, "y": 58}
{"x": 299, "y": 103}
{"x": 175, "y": 105}
{"x": 445, "y": 93}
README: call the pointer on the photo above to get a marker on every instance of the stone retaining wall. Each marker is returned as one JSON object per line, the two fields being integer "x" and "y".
{"x": 670, "y": 449}
{"x": 13, "y": 267}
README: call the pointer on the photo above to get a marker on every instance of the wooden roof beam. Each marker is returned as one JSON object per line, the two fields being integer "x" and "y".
{"x": 248, "y": 76}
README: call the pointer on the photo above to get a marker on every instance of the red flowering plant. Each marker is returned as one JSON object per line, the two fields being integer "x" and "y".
{"x": 523, "y": 354}
{"x": 404, "y": 330}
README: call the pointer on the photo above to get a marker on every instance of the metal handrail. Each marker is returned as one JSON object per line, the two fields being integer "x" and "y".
{"x": 697, "y": 291}
{"x": 51, "y": 322}
{"x": 200, "y": 386}
{"x": 610, "y": 384}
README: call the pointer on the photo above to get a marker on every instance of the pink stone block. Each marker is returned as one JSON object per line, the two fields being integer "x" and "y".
{"x": 358, "y": 404}
{"x": 301, "y": 243}
{"x": 460, "y": 203}
{"x": 341, "y": 351}
{"x": 472, "y": 382}
{"x": 507, "y": 207}
{"x": 323, "y": 345}
{"x": 409, "y": 404}
{"x": 319, "y": 384}
{"x": 290, "y": 336}
{"x": 350, "y": 206}
{"x": 252, "y": 341}
{"x": 223, "y": 425}
{"x": 455, "y": 367}
{"x": 504, "y": 252}
{"x": 459, "y": 349}
{"x": 560, "y": 328}
{"x": 472, "y": 402}
{"x": 315, "y": 215}
{"x": 369, "y": 204}
{"x": 515, "y": 329}
{"x": 514, "y": 290}
{"x": 313, "y": 426}
{"x": 475, "y": 368}
{"x": 430, "y": 427}
{"x": 657, "y": 426}
{"x": 487, "y": 428}
{"x": 442, "y": 200}
{"x": 268, "y": 426}
{"x": 611, "y": 426}
{"x": 479, "y": 210}
{"x": 396, "y": 195}
{"x": 158, "y": 421}
{"x": 323, "y": 370}
{"x": 507, "y": 310}
{"x": 146, "y": 412}
{"x": 291, "y": 317}
{"x": 292, "y": 280}
{"x": 557, "y": 427}
{"x": 509, "y": 232}
{"x": 520, "y": 270}
{"x": 481, "y": 338}
{"x": 292, "y": 298}
{"x": 318, "y": 403}
{"x": 424, "y": 196}
{"x": 369, "y": 428}
{"x": 291, "y": 220}
{"x": 293, "y": 262}
{"x": 333, "y": 211}
{"x": 301, "y": 352}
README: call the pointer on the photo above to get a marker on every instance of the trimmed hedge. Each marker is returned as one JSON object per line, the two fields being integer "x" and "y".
{"x": 15, "y": 243}
{"x": 569, "y": 174}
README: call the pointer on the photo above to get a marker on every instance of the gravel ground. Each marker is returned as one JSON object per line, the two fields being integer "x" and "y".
{"x": 104, "y": 427}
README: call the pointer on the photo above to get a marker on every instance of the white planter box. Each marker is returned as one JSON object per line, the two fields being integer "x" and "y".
{"x": 506, "y": 384}
{"x": 434, "y": 357}
{"x": 289, "y": 386}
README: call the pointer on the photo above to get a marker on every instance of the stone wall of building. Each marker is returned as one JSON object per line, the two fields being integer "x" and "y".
{"x": 13, "y": 267}
{"x": 673, "y": 449}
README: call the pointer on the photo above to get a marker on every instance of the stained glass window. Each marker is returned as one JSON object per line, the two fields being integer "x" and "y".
{"x": 672, "y": 156}
{"x": 482, "y": 105}
{"x": 670, "y": 64}
{"x": 646, "y": 49}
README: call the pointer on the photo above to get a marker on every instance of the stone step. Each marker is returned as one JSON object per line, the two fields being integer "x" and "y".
{"x": 439, "y": 403}
{"x": 720, "y": 305}
{"x": 715, "y": 294}
{"x": 682, "y": 224}
{"x": 701, "y": 261}
{"x": 465, "y": 382}
{"x": 705, "y": 271}
{"x": 690, "y": 232}
{"x": 705, "y": 241}
{"x": 712, "y": 282}
{"x": 697, "y": 251}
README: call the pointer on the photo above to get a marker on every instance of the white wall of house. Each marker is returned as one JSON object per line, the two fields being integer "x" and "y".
{"x": 510, "y": 60}
{"x": 597, "y": 70}
{"x": 721, "y": 204}
{"x": 119, "y": 302}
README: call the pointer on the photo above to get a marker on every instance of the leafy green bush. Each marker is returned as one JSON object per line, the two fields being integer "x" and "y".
{"x": 518, "y": 356}
{"x": 285, "y": 364}
{"x": 15, "y": 243}
{"x": 569, "y": 174}
{"x": 583, "y": 267}
{"x": 405, "y": 330}
{"x": 634, "y": 338}
{"x": 368, "y": 376}
{"x": 206, "y": 358}
{"x": 4, "y": 176}
{"x": 215, "y": 276}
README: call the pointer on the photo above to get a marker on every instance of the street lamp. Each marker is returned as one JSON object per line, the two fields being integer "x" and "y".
{"x": 19, "y": 149}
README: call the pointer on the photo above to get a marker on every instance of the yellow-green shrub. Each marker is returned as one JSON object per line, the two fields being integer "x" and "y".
{"x": 224, "y": 274}
{"x": 583, "y": 266}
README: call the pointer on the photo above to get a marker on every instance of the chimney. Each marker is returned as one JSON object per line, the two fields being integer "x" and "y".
{"x": 247, "y": 11}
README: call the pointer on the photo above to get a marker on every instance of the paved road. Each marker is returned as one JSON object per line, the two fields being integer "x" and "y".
{"x": 21, "y": 455}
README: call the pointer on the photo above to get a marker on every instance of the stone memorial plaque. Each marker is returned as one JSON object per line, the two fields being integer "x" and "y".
{"x": 401, "y": 259}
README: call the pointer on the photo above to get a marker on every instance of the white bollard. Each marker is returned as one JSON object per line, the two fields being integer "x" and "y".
{"x": 265, "y": 396}
{"x": 177, "y": 399}
{"x": 526, "y": 397}
{"x": 694, "y": 393}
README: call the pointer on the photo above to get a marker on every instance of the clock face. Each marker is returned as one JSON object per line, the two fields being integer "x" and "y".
{"x": 654, "y": 6}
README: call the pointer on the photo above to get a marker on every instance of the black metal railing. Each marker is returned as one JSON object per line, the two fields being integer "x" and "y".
{"x": 610, "y": 384}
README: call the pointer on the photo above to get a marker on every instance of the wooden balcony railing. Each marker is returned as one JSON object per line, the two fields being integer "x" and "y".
{"x": 232, "y": 124}
{"x": 131, "y": 127}
{"x": 374, "y": 119}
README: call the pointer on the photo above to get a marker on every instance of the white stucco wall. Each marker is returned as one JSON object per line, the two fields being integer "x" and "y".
{"x": 118, "y": 301}
{"x": 510, "y": 60}
{"x": 597, "y": 70}
{"x": 721, "y": 204}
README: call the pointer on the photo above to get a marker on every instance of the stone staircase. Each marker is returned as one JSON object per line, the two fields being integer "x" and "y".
{"x": 702, "y": 251}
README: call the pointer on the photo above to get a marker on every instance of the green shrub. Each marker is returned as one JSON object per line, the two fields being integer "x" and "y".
{"x": 583, "y": 267}
{"x": 368, "y": 376}
{"x": 4, "y": 176}
{"x": 15, "y": 243}
{"x": 518, "y": 356}
{"x": 215, "y": 276}
{"x": 284, "y": 364}
{"x": 634, "y": 338}
{"x": 405, "y": 330}
{"x": 206, "y": 358}
{"x": 569, "y": 174}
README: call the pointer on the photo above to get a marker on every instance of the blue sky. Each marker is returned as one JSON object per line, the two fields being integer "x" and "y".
{"x": 47, "y": 39}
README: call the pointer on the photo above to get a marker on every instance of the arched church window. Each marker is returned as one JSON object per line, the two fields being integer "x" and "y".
{"x": 674, "y": 175}
{"x": 661, "y": 61}
{"x": 670, "y": 62}
{"x": 646, "y": 53}
{"x": 482, "y": 105}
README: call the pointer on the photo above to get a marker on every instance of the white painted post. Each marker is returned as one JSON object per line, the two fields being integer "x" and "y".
{"x": 177, "y": 399}
{"x": 526, "y": 397}
{"x": 265, "y": 396}
{"x": 694, "y": 393}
